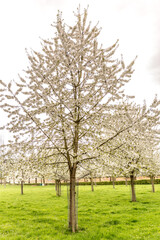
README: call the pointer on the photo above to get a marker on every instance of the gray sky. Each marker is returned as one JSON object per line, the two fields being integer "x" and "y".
{"x": 136, "y": 23}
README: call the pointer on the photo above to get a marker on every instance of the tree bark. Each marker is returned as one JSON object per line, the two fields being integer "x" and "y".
{"x": 35, "y": 180}
{"x": 95, "y": 181}
{"x": 113, "y": 181}
{"x": 56, "y": 185}
{"x": 21, "y": 187}
{"x": 133, "y": 198}
{"x": 73, "y": 225}
{"x": 29, "y": 181}
{"x": 152, "y": 181}
{"x": 44, "y": 181}
{"x": 58, "y": 188}
{"x": 57, "y": 192}
{"x": 126, "y": 182}
{"x": 92, "y": 187}
{"x": 4, "y": 182}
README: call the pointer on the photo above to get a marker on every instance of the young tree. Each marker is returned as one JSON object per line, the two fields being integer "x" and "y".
{"x": 137, "y": 141}
{"x": 68, "y": 88}
{"x": 152, "y": 165}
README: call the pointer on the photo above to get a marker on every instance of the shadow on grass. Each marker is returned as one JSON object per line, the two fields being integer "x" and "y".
{"x": 43, "y": 220}
{"x": 38, "y": 213}
{"x": 110, "y": 223}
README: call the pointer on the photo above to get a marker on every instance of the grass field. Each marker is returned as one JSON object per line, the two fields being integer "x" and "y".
{"x": 106, "y": 213}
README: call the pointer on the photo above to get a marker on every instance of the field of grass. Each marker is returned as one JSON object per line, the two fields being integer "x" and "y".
{"x": 105, "y": 214}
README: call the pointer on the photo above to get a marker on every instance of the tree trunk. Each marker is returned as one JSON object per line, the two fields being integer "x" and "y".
{"x": 4, "y": 182}
{"x": 57, "y": 192}
{"x": 35, "y": 180}
{"x": 152, "y": 181}
{"x": 21, "y": 187}
{"x": 99, "y": 179}
{"x": 56, "y": 185}
{"x": 133, "y": 198}
{"x": 92, "y": 187}
{"x": 126, "y": 182}
{"x": 95, "y": 181}
{"x": 113, "y": 181}
{"x": 29, "y": 181}
{"x": 73, "y": 225}
{"x": 44, "y": 181}
{"x": 58, "y": 188}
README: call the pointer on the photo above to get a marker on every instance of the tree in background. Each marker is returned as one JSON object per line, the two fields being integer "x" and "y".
{"x": 135, "y": 143}
{"x": 152, "y": 165}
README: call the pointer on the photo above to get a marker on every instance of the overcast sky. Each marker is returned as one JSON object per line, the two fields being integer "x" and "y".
{"x": 136, "y": 23}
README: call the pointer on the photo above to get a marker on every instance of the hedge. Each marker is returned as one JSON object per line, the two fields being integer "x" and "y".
{"x": 138, "y": 182}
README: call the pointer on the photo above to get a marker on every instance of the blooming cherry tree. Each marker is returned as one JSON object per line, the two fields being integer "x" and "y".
{"x": 67, "y": 89}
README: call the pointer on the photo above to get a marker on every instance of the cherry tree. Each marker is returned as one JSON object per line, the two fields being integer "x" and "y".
{"x": 6, "y": 164}
{"x": 133, "y": 144}
{"x": 67, "y": 90}
{"x": 152, "y": 165}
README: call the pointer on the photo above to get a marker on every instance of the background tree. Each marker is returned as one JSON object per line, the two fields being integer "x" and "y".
{"x": 152, "y": 165}
{"x": 134, "y": 143}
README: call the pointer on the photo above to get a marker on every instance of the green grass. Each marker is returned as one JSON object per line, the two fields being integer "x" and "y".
{"x": 105, "y": 214}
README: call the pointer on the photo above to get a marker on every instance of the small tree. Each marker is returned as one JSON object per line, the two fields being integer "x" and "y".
{"x": 136, "y": 141}
{"x": 152, "y": 165}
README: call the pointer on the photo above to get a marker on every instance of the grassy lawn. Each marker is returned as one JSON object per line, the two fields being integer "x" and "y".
{"x": 106, "y": 213}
